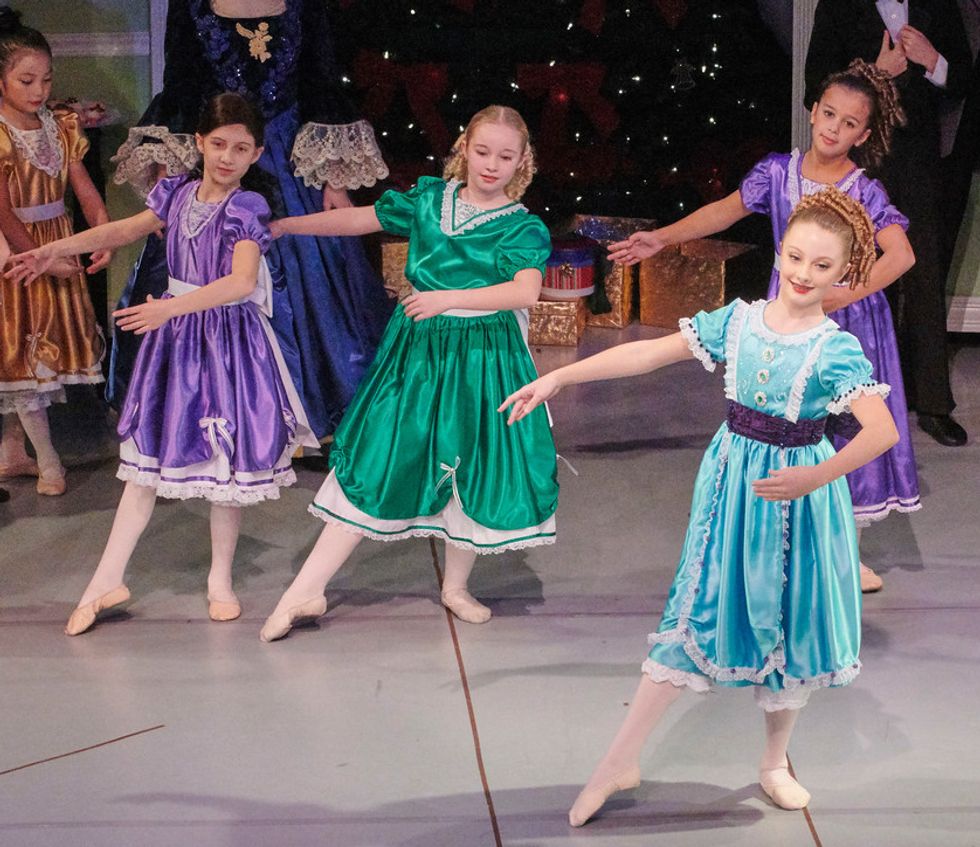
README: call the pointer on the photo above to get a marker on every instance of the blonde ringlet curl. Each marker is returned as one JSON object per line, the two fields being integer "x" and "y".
{"x": 455, "y": 166}
{"x": 836, "y": 212}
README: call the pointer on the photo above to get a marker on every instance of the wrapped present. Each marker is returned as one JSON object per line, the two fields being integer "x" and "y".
{"x": 683, "y": 279}
{"x": 611, "y": 304}
{"x": 570, "y": 272}
{"x": 388, "y": 255}
{"x": 557, "y": 322}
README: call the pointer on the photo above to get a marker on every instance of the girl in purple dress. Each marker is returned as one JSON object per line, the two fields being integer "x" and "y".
{"x": 852, "y": 119}
{"x": 210, "y": 411}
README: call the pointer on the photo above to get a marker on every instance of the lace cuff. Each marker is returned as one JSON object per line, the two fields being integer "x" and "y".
{"x": 679, "y": 679}
{"x": 338, "y": 155}
{"x": 148, "y": 146}
{"x": 842, "y": 403}
{"x": 690, "y": 335}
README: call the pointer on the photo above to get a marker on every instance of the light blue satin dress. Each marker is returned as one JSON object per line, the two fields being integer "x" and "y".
{"x": 767, "y": 593}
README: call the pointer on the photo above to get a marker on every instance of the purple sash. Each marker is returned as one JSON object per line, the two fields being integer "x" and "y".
{"x": 772, "y": 430}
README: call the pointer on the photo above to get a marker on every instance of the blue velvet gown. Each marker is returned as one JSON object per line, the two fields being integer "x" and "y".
{"x": 767, "y": 593}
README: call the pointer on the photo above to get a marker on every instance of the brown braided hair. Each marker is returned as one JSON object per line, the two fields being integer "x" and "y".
{"x": 886, "y": 108}
{"x": 837, "y": 212}
{"x": 455, "y": 165}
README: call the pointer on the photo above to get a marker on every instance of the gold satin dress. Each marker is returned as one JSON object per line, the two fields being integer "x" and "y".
{"x": 49, "y": 337}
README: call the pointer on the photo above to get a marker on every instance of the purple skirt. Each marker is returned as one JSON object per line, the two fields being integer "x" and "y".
{"x": 890, "y": 482}
{"x": 211, "y": 411}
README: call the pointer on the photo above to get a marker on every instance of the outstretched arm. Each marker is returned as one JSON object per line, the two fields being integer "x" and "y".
{"x": 707, "y": 220}
{"x": 93, "y": 209}
{"x": 359, "y": 220}
{"x": 30, "y": 265}
{"x": 240, "y": 283}
{"x": 636, "y": 357}
{"x": 878, "y": 434}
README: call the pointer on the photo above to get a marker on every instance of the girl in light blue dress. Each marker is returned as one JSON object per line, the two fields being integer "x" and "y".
{"x": 767, "y": 593}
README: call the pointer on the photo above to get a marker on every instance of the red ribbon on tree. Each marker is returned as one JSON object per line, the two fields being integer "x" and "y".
{"x": 563, "y": 85}
{"x": 424, "y": 84}
{"x": 593, "y": 13}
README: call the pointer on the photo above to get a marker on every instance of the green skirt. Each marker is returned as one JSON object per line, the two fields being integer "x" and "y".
{"x": 423, "y": 450}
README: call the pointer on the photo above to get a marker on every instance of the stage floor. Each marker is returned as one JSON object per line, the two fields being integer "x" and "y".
{"x": 390, "y": 724}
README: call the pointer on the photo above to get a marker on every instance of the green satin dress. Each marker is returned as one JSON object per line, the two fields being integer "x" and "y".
{"x": 422, "y": 449}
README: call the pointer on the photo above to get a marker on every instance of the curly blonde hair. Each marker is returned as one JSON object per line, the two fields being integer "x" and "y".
{"x": 455, "y": 165}
{"x": 883, "y": 99}
{"x": 837, "y": 212}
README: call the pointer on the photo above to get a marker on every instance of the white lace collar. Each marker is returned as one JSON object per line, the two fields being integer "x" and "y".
{"x": 799, "y": 186}
{"x": 459, "y": 216}
{"x": 791, "y": 339}
{"x": 42, "y": 148}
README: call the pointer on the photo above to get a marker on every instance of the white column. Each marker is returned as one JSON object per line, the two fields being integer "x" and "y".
{"x": 802, "y": 27}
{"x": 158, "y": 28}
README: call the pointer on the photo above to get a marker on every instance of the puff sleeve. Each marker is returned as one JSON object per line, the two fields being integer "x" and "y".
{"x": 247, "y": 218}
{"x": 396, "y": 209}
{"x": 845, "y": 373}
{"x": 161, "y": 197}
{"x": 76, "y": 142}
{"x": 706, "y": 333}
{"x": 526, "y": 245}
{"x": 875, "y": 200}
{"x": 756, "y": 187}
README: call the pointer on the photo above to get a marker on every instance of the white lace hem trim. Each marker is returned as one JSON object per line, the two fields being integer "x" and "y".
{"x": 338, "y": 155}
{"x": 778, "y": 701}
{"x": 690, "y": 334}
{"x": 32, "y": 401}
{"x": 842, "y": 404}
{"x": 137, "y": 159}
{"x": 451, "y": 524}
{"x": 679, "y": 679}
{"x": 864, "y": 516}
{"x": 216, "y": 491}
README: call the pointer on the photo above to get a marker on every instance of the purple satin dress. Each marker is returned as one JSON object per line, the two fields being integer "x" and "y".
{"x": 211, "y": 411}
{"x": 774, "y": 187}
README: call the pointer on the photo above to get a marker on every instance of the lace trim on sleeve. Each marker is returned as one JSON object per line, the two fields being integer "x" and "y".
{"x": 842, "y": 403}
{"x": 137, "y": 158}
{"x": 690, "y": 334}
{"x": 338, "y": 155}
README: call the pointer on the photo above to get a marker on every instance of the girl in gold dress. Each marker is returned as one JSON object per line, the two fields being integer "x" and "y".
{"x": 48, "y": 334}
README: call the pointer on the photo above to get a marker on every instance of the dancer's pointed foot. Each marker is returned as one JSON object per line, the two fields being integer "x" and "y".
{"x": 278, "y": 624}
{"x": 461, "y": 603}
{"x": 870, "y": 581}
{"x": 51, "y": 482}
{"x": 783, "y": 789}
{"x": 592, "y": 797}
{"x": 224, "y": 610}
{"x": 84, "y": 616}
{"x": 25, "y": 466}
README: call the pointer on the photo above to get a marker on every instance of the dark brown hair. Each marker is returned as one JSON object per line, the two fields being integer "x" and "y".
{"x": 14, "y": 37}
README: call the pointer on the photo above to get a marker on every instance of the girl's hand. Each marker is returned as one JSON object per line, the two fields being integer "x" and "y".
{"x": 640, "y": 245}
{"x": 428, "y": 304}
{"x": 276, "y": 229}
{"x": 918, "y": 48}
{"x": 26, "y": 267}
{"x": 99, "y": 260}
{"x": 891, "y": 60}
{"x": 143, "y": 319}
{"x": 838, "y": 297}
{"x": 525, "y": 400}
{"x": 335, "y": 198}
{"x": 789, "y": 483}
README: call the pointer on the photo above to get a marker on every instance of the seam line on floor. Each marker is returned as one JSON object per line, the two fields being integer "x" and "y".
{"x": 478, "y": 750}
{"x": 806, "y": 812}
{"x": 83, "y": 749}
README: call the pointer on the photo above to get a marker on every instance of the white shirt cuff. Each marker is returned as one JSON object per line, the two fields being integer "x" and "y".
{"x": 938, "y": 76}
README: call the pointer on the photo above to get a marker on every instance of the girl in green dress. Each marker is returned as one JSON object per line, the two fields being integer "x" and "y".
{"x": 422, "y": 450}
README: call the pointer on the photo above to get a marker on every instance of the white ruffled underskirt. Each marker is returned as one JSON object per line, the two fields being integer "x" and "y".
{"x": 213, "y": 480}
{"x": 864, "y": 516}
{"x": 451, "y": 524}
{"x": 31, "y": 396}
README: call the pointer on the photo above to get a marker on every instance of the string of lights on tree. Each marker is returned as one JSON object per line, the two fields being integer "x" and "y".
{"x": 642, "y": 107}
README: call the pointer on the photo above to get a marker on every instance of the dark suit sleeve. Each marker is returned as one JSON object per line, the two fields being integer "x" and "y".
{"x": 952, "y": 43}
{"x": 826, "y": 53}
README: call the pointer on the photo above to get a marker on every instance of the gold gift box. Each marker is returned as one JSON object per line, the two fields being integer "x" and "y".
{"x": 683, "y": 279}
{"x": 620, "y": 282}
{"x": 388, "y": 255}
{"x": 557, "y": 322}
